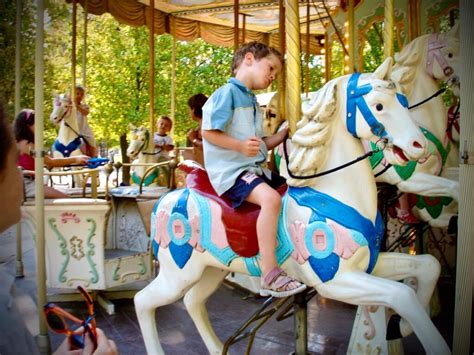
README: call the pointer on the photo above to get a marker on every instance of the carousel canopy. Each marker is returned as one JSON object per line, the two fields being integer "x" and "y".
{"x": 213, "y": 20}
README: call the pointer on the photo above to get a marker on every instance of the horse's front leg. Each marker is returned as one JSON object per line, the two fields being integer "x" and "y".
{"x": 195, "y": 300}
{"x": 169, "y": 286}
{"x": 430, "y": 185}
{"x": 359, "y": 288}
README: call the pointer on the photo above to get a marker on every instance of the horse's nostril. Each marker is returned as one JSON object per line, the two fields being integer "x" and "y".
{"x": 417, "y": 145}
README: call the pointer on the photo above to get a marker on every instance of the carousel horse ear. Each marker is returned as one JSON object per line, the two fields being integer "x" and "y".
{"x": 131, "y": 126}
{"x": 454, "y": 31}
{"x": 384, "y": 71}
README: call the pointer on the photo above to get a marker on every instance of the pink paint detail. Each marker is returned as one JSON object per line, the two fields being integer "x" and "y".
{"x": 218, "y": 234}
{"x": 345, "y": 246}
{"x": 320, "y": 240}
{"x": 195, "y": 224}
{"x": 300, "y": 254}
{"x": 161, "y": 229}
{"x": 178, "y": 229}
{"x": 69, "y": 216}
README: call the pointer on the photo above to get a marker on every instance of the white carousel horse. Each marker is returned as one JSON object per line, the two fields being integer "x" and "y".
{"x": 329, "y": 233}
{"x": 137, "y": 151}
{"x": 420, "y": 68}
{"x": 69, "y": 140}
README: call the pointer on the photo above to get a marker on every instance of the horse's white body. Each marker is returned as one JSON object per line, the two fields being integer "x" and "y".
{"x": 68, "y": 142}
{"x": 138, "y": 152}
{"x": 201, "y": 271}
{"x": 419, "y": 81}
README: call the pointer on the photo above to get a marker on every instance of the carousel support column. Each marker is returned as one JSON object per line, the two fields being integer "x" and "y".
{"x": 327, "y": 58}
{"x": 465, "y": 242}
{"x": 73, "y": 51}
{"x": 282, "y": 76}
{"x": 173, "y": 82}
{"x": 43, "y": 337}
{"x": 388, "y": 29}
{"x": 351, "y": 39}
{"x": 413, "y": 19}
{"x": 306, "y": 56}
{"x": 19, "y": 251}
{"x": 152, "y": 74}
{"x": 293, "y": 70}
{"x": 236, "y": 25}
{"x": 84, "y": 47}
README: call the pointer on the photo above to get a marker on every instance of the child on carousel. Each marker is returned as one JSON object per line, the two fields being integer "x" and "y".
{"x": 235, "y": 149}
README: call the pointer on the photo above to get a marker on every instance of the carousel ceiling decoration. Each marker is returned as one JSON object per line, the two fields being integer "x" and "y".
{"x": 213, "y": 20}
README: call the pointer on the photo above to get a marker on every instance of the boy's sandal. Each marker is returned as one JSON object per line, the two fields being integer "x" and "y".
{"x": 278, "y": 284}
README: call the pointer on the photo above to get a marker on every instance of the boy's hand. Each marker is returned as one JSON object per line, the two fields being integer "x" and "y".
{"x": 250, "y": 147}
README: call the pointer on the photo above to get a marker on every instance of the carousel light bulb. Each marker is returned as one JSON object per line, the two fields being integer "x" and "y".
{"x": 346, "y": 24}
{"x": 346, "y": 57}
{"x": 347, "y": 46}
{"x": 323, "y": 80}
{"x": 346, "y": 35}
{"x": 346, "y": 68}
{"x": 322, "y": 41}
{"x": 323, "y": 51}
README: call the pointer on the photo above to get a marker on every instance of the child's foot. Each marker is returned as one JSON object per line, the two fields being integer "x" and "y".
{"x": 406, "y": 217}
{"x": 278, "y": 284}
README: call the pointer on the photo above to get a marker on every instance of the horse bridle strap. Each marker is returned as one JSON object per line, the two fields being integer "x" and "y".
{"x": 434, "y": 53}
{"x": 355, "y": 100}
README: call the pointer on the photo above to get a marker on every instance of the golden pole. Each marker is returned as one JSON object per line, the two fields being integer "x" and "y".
{"x": 327, "y": 58}
{"x": 351, "y": 39}
{"x": 73, "y": 51}
{"x": 282, "y": 76}
{"x": 293, "y": 70}
{"x": 388, "y": 29}
{"x": 152, "y": 73}
{"x": 236, "y": 25}
{"x": 84, "y": 45}
{"x": 306, "y": 57}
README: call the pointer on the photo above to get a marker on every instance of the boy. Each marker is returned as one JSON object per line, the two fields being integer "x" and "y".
{"x": 163, "y": 142}
{"x": 82, "y": 110}
{"x": 234, "y": 149}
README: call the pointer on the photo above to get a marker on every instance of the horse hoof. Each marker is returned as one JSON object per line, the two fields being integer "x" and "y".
{"x": 393, "y": 328}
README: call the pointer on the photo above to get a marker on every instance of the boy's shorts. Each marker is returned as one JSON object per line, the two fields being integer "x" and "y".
{"x": 246, "y": 182}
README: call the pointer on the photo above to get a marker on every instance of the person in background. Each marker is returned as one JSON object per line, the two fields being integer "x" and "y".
{"x": 24, "y": 127}
{"x": 194, "y": 136}
{"x": 15, "y": 337}
{"x": 163, "y": 141}
{"x": 235, "y": 150}
{"x": 89, "y": 147}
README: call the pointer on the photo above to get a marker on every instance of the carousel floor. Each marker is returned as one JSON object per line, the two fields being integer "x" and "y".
{"x": 329, "y": 322}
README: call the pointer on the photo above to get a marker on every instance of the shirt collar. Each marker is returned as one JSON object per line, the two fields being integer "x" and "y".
{"x": 240, "y": 85}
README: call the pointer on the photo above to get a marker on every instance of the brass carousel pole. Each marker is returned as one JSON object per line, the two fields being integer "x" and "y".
{"x": 306, "y": 55}
{"x": 73, "y": 51}
{"x": 152, "y": 74}
{"x": 293, "y": 70}
{"x": 173, "y": 81}
{"x": 84, "y": 45}
{"x": 351, "y": 39}
{"x": 388, "y": 29}
{"x": 282, "y": 76}
{"x": 236, "y": 25}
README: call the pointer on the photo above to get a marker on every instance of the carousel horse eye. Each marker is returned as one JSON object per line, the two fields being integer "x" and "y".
{"x": 450, "y": 55}
{"x": 379, "y": 107}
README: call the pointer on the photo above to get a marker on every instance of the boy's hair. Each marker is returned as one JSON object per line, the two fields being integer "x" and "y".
{"x": 166, "y": 118}
{"x": 21, "y": 127}
{"x": 259, "y": 51}
{"x": 81, "y": 88}
{"x": 196, "y": 102}
{"x": 6, "y": 139}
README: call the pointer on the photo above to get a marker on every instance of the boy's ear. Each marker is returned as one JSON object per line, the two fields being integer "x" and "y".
{"x": 248, "y": 58}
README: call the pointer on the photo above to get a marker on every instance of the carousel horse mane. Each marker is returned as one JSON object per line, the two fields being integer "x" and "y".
{"x": 314, "y": 130}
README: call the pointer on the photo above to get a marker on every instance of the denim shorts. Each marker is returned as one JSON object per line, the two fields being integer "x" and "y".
{"x": 246, "y": 182}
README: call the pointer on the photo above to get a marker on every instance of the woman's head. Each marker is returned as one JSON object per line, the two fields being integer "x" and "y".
{"x": 195, "y": 103}
{"x": 24, "y": 126}
{"x": 10, "y": 178}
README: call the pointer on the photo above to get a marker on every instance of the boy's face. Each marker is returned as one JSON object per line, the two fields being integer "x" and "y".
{"x": 263, "y": 70}
{"x": 79, "y": 95}
{"x": 164, "y": 126}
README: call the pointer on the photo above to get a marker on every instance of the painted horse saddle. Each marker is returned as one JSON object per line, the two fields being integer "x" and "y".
{"x": 240, "y": 223}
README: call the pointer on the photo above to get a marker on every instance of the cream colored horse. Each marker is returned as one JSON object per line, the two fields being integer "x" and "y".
{"x": 329, "y": 233}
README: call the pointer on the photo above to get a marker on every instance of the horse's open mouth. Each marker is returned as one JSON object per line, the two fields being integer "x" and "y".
{"x": 399, "y": 153}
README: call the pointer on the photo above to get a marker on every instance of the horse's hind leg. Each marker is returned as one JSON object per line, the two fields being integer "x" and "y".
{"x": 359, "y": 288}
{"x": 195, "y": 300}
{"x": 169, "y": 286}
{"x": 398, "y": 266}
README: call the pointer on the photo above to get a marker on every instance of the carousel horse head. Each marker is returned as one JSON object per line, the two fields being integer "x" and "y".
{"x": 437, "y": 54}
{"x": 139, "y": 141}
{"x": 371, "y": 109}
{"x": 62, "y": 108}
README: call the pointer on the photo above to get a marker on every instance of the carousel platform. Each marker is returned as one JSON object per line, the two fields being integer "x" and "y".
{"x": 329, "y": 322}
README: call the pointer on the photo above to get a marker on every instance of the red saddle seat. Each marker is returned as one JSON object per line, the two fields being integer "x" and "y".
{"x": 240, "y": 224}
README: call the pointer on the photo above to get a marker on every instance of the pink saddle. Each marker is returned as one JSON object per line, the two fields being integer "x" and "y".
{"x": 240, "y": 224}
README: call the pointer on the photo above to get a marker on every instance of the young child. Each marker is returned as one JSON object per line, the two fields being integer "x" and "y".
{"x": 163, "y": 142}
{"x": 194, "y": 137}
{"x": 82, "y": 110}
{"x": 235, "y": 149}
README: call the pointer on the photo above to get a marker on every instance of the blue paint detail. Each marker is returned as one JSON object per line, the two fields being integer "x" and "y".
{"x": 328, "y": 207}
{"x": 181, "y": 253}
{"x": 187, "y": 229}
{"x": 156, "y": 248}
{"x": 359, "y": 238}
{"x": 330, "y": 239}
{"x": 285, "y": 246}
{"x": 355, "y": 100}
{"x": 326, "y": 267}
{"x": 224, "y": 255}
{"x": 402, "y": 99}
{"x": 252, "y": 265}
{"x": 66, "y": 150}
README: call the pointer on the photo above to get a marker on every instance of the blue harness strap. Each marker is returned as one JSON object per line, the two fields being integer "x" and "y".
{"x": 66, "y": 150}
{"x": 356, "y": 100}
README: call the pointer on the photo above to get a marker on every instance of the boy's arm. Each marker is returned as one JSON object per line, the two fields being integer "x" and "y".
{"x": 272, "y": 141}
{"x": 84, "y": 109}
{"x": 250, "y": 147}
